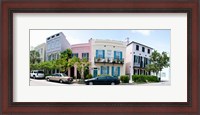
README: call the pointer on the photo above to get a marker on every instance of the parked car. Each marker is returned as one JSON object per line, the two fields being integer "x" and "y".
{"x": 103, "y": 80}
{"x": 37, "y": 74}
{"x": 60, "y": 77}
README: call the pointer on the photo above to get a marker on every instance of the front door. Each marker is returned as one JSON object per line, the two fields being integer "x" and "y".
{"x": 95, "y": 72}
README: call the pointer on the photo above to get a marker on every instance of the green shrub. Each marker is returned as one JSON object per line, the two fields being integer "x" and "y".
{"x": 88, "y": 76}
{"x": 152, "y": 79}
{"x": 47, "y": 74}
{"x": 124, "y": 78}
{"x": 144, "y": 78}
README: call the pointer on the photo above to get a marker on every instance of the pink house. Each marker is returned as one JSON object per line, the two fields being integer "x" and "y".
{"x": 81, "y": 51}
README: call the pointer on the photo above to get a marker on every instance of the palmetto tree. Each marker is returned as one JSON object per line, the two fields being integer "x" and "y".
{"x": 82, "y": 66}
{"x": 34, "y": 57}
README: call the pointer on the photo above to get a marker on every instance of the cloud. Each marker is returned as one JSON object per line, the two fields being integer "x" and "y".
{"x": 143, "y": 32}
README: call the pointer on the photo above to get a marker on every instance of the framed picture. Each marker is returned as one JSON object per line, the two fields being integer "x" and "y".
{"x": 100, "y": 57}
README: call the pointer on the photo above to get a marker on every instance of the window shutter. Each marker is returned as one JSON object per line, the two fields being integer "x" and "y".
{"x": 101, "y": 69}
{"x": 103, "y": 53}
{"x": 108, "y": 70}
{"x": 121, "y": 55}
{"x": 118, "y": 71}
{"x": 96, "y": 53}
{"x": 134, "y": 59}
{"x": 112, "y": 70}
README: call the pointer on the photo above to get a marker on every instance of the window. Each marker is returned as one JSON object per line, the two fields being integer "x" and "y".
{"x": 117, "y": 55}
{"x": 137, "y": 47}
{"x": 57, "y": 43}
{"x": 104, "y": 70}
{"x": 75, "y": 54}
{"x": 49, "y": 57}
{"x": 148, "y": 51}
{"x": 57, "y": 56}
{"x": 109, "y": 53}
{"x": 136, "y": 59}
{"x": 143, "y": 49}
{"x": 41, "y": 51}
{"x": 57, "y": 34}
{"x": 85, "y": 55}
{"x": 40, "y": 72}
{"x": 53, "y": 36}
{"x": 48, "y": 38}
{"x": 115, "y": 71}
{"x": 100, "y": 53}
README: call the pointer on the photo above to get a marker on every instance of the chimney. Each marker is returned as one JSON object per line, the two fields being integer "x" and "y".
{"x": 127, "y": 40}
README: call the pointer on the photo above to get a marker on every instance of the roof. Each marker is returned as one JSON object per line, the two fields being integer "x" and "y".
{"x": 139, "y": 44}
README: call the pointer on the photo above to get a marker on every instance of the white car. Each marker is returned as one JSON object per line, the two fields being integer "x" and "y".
{"x": 37, "y": 74}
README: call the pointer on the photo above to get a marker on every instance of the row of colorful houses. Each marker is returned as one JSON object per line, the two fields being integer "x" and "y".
{"x": 106, "y": 56}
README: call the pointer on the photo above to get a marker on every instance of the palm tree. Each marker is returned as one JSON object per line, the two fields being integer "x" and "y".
{"x": 74, "y": 61}
{"x": 64, "y": 60}
{"x": 82, "y": 66}
{"x": 34, "y": 57}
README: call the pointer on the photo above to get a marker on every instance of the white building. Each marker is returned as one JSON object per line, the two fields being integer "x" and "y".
{"x": 56, "y": 44}
{"x": 42, "y": 51}
{"x": 107, "y": 57}
{"x": 137, "y": 57}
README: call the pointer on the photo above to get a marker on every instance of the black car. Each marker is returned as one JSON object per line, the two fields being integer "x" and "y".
{"x": 103, "y": 80}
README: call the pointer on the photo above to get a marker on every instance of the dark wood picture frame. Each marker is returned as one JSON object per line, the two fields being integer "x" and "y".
{"x": 191, "y": 7}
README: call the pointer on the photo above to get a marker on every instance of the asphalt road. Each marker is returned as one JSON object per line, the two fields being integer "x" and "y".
{"x": 43, "y": 82}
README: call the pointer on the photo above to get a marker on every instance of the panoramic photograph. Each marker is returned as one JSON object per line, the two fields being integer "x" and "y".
{"x": 136, "y": 57}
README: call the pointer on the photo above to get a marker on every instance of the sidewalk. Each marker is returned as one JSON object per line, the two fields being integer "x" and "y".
{"x": 161, "y": 83}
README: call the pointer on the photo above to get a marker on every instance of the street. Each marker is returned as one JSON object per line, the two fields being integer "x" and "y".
{"x": 44, "y": 82}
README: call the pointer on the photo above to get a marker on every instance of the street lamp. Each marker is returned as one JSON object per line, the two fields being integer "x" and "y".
{"x": 130, "y": 81}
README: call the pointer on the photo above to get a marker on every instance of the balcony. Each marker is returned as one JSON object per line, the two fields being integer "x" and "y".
{"x": 136, "y": 64}
{"x": 109, "y": 60}
{"x": 139, "y": 65}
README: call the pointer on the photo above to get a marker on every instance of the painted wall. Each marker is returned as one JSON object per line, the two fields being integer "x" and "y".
{"x": 129, "y": 58}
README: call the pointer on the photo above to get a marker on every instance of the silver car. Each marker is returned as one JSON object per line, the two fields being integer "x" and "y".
{"x": 60, "y": 77}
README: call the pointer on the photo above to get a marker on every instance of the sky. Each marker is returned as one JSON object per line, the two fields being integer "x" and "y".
{"x": 157, "y": 39}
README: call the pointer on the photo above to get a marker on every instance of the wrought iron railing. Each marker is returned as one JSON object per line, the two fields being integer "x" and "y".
{"x": 109, "y": 60}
